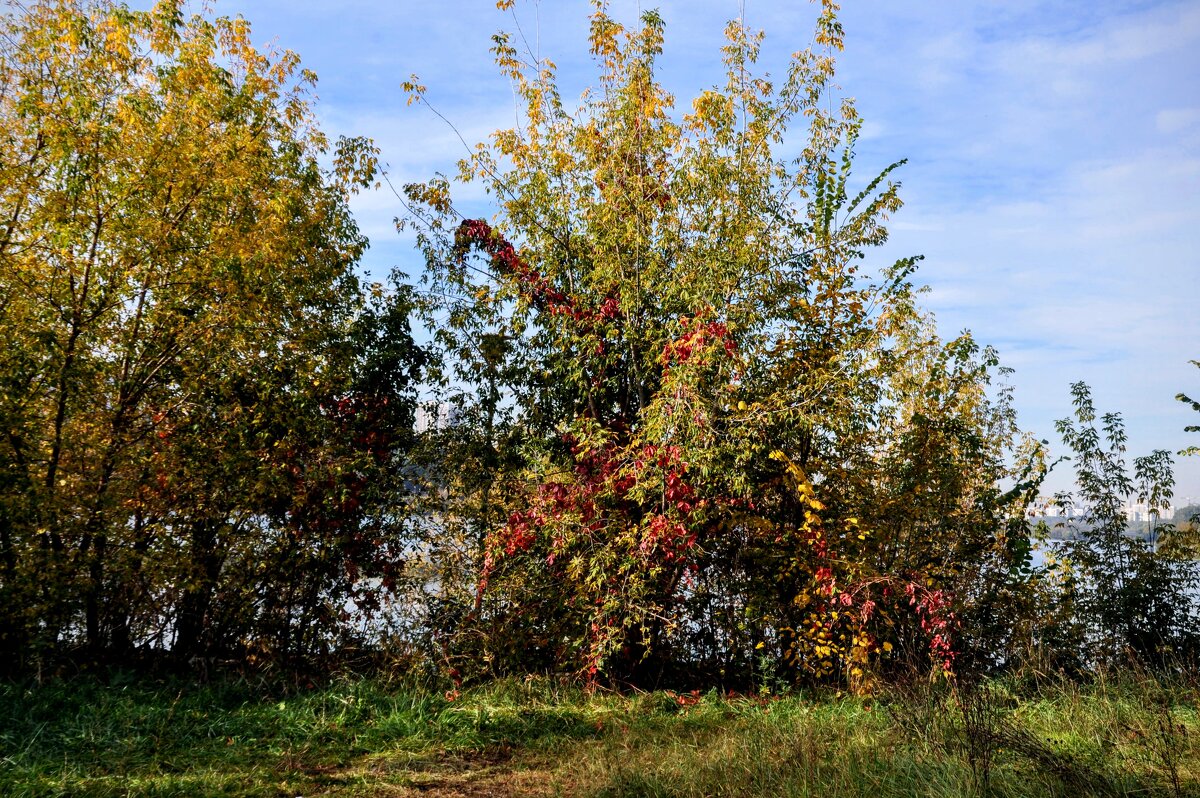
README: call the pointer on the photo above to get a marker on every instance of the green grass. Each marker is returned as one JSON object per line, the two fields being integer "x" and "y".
{"x": 129, "y": 737}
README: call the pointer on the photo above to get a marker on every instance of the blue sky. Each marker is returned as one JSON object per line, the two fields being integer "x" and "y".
{"x": 1053, "y": 181}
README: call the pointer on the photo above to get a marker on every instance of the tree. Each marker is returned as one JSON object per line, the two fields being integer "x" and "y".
{"x": 1183, "y": 539}
{"x": 181, "y": 323}
{"x": 1187, "y": 400}
{"x": 1125, "y": 597}
{"x": 721, "y": 437}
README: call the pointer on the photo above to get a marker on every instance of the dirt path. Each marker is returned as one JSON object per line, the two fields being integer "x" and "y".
{"x": 493, "y": 775}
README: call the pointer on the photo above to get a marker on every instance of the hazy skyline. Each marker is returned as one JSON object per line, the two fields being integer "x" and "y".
{"x": 1053, "y": 182}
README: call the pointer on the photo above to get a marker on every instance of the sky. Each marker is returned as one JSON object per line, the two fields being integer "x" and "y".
{"x": 1052, "y": 183}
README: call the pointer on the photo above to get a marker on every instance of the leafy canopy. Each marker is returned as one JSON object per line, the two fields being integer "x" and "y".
{"x": 181, "y": 327}
{"x": 705, "y": 428}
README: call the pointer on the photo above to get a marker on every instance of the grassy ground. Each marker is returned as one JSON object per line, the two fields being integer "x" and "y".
{"x": 360, "y": 738}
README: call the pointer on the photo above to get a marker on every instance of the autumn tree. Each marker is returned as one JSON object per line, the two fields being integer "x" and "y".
{"x": 715, "y": 436}
{"x": 195, "y": 391}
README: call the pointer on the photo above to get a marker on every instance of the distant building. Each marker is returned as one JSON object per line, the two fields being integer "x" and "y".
{"x": 1048, "y": 507}
{"x": 442, "y": 415}
{"x": 1137, "y": 512}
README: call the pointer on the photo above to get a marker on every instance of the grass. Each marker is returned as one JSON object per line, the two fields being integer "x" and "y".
{"x": 135, "y": 737}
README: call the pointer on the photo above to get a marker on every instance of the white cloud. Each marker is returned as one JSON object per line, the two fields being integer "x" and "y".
{"x": 1177, "y": 120}
{"x": 1119, "y": 39}
{"x": 1054, "y": 175}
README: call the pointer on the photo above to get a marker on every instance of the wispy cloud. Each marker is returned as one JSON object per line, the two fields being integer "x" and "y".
{"x": 1054, "y": 174}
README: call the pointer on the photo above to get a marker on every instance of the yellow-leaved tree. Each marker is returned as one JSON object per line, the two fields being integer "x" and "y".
{"x": 179, "y": 312}
{"x": 710, "y": 440}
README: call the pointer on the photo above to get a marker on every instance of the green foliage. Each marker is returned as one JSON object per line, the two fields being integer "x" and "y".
{"x": 699, "y": 436}
{"x": 1187, "y": 400}
{"x": 1122, "y": 596}
{"x": 700, "y": 429}
{"x": 194, "y": 393}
